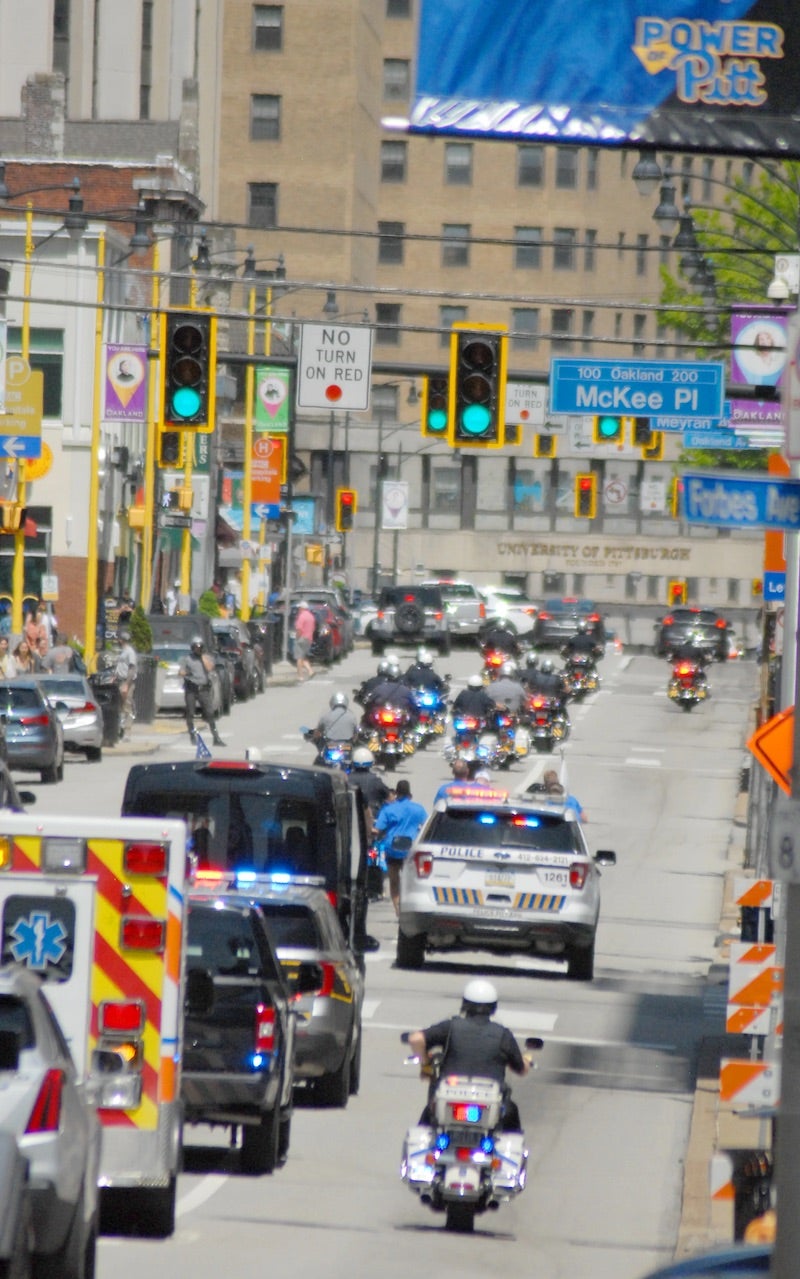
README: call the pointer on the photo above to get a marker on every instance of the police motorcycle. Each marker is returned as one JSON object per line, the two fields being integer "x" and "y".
{"x": 461, "y": 1162}
{"x": 387, "y": 731}
{"x": 688, "y": 682}
{"x": 580, "y": 675}
{"x": 330, "y": 754}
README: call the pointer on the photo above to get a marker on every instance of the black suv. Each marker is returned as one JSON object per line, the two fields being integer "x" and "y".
{"x": 707, "y": 628}
{"x": 410, "y": 615}
{"x": 238, "y": 1052}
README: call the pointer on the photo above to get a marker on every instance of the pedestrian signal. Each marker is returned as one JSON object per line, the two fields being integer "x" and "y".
{"x": 586, "y": 495}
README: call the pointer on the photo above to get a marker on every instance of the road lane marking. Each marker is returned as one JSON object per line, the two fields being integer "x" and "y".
{"x": 632, "y": 762}
{"x": 200, "y": 1194}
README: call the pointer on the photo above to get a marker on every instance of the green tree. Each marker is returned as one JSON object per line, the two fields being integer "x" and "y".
{"x": 209, "y": 604}
{"x": 727, "y": 258}
{"x": 141, "y": 631}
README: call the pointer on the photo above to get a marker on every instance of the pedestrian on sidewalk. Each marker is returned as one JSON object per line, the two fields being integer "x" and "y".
{"x": 304, "y": 627}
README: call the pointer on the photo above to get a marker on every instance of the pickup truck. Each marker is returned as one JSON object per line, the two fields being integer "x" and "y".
{"x": 466, "y": 609}
{"x": 238, "y": 1052}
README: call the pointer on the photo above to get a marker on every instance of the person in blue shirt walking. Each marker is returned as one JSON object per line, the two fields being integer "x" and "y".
{"x": 398, "y": 825}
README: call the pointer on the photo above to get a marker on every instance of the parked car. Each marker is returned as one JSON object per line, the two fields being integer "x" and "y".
{"x": 34, "y": 735}
{"x": 335, "y": 601}
{"x": 309, "y": 943}
{"x": 169, "y": 681}
{"x": 466, "y": 608}
{"x": 410, "y": 615}
{"x": 557, "y": 621}
{"x": 232, "y": 639}
{"x": 709, "y": 630}
{"x": 737, "y": 1261}
{"x": 81, "y": 716}
{"x": 239, "y": 1026}
{"x": 508, "y": 604}
{"x": 50, "y": 1111}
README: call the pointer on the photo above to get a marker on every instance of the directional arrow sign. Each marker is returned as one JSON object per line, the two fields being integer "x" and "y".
{"x": 265, "y": 511}
{"x": 20, "y": 446}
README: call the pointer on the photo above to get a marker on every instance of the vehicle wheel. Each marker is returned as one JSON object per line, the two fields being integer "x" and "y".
{"x": 60, "y": 770}
{"x": 580, "y": 962}
{"x": 94, "y": 754}
{"x": 333, "y": 1089}
{"x": 460, "y": 1218}
{"x": 377, "y": 649}
{"x": 687, "y": 705}
{"x": 355, "y": 1066}
{"x": 260, "y": 1143}
{"x": 410, "y": 950}
{"x": 284, "y": 1137}
{"x": 49, "y": 775}
{"x": 157, "y": 1210}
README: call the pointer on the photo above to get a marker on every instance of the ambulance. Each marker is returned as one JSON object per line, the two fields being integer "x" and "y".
{"x": 96, "y": 908}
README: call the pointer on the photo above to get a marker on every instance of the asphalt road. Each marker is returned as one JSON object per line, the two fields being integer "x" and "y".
{"x": 606, "y": 1113}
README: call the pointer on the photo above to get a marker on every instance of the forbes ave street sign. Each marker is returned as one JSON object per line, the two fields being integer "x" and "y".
{"x": 741, "y": 502}
{"x": 637, "y": 388}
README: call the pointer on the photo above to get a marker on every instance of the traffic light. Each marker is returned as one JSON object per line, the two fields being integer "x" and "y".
{"x": 346, "y": 506}
{"x": 544, "y": 446}
{"x": 607, "y": 429}
{"x": 655, "y": 449}
{"x": 189, "y": 353}
{"x": 586, "y": 495}
{"x": 435, "y": 401}
{"x": 676, "y": 592}
{"x": 642, "y": 436}
{"x": 170, "y": 448}
{"x": 476, "y": 409}
{"x": 757, "y": 587}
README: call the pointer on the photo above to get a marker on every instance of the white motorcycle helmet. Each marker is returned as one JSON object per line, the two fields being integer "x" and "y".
{"x": 363, "y": 758}
{"x": 479, "y": 996}
{"x": 339, "y": 699}
{"x": 474, "y": 681}
{"x": 509, "y": 669}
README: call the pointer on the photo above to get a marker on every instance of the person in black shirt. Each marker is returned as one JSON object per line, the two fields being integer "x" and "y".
{"x": 473, "y": 1044}
{"x": 497, "y": 635}
{"x": 422, "y": 675}
{"x": 474, "y": 700}
{"x": 583, "y": 641}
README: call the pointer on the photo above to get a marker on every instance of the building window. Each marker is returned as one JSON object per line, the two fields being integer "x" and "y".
{"x": 448, "y": 316}
{"x": 592, "y": 168}
{"x": 455, "y": 244}
{"x": 530, "y": 491}
{"x": 525, "y": 328}
{"x": 617, "y": 324}
{"x": 146, "y": 60}
{"x": 686, "y": 176}
{"x": 268, "y": 27}
{"x": 384, "y": 400}
{"x": 61, "y": 36}
{"x": 641, "y": 255}
{"x": 396, "y": 79}
{"x": 589, "y": 245}
{"x": 566, "y": 168}
{"x": 398, "y": 8}
{"x": 639, "y": 331}
{"x": 265, "y": 117}
{"x": 708, "y": 178}
{"x": 561, "y": 329}
{"x": 391, "y": 246}
{"x": 446, "y": 489}
{"x": 530, "y": 165}
{"x": 47, "y": 355}
{"x": 527, "y": 247}
{"x": 664, "y": 247}
{"x": 387, "y": 323}
{"x": 458, "y": 164}
{"x": 563, "y": 249}
{"x": 587, "y": 330}
{"x": 262, "y": 205}
{"x": 394, "y": 160}
{"x": 747, "y": 173}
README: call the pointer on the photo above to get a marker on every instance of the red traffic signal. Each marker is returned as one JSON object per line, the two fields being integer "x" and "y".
{"x": 585, "y": 495}
{"x": 346, "y": 504}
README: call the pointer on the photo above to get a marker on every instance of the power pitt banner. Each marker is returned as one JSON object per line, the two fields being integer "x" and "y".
{"x": 684, "y": 75}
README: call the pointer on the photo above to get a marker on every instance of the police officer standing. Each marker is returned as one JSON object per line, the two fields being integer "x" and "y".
{"x": 196, "y": 670}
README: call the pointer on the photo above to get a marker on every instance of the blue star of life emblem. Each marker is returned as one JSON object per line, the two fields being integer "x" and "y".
{"x": 39, "y": 941}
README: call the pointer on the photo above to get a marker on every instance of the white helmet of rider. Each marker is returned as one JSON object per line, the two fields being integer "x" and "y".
{"x": 421, "y": 653}
{"x": 583, "y": 625}
{"x": 546, "y": 667}
{"x": 474, "y": 681}
{"x": 339, "y": 699}
{"x": 509, "y": 669}
{"x": 425, "y": 658}
{"x": 394, "y": 671}
{"x": 363, "y": 758}
{"x": 479, "y": 996}
{"x": 384, "y": 666}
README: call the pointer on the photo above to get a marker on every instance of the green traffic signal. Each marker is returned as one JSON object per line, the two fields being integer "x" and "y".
{"x": 475, "y": 419}
{"x": 189, "y": 369}
{"x": 478, "y": 385}
{"x": 435, "y": 393}
{"x": 609, "y": 428}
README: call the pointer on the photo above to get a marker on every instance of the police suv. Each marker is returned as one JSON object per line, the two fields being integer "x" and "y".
{"x": 505, "y": 875}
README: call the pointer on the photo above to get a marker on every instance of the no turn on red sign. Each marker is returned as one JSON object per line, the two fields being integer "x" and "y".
{"x": 334, "y": 367}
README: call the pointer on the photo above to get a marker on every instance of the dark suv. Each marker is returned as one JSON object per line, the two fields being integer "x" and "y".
{"x": 238, "y": 1055}
{"x": 708, "y": 629}
{"x": 410, "y": 615}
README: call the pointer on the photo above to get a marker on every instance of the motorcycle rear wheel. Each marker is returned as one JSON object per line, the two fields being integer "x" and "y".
{"x": 460, "y": 1218}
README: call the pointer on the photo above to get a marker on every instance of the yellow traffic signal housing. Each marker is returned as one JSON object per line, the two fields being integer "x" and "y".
{"x": 435, "y": 407}
{"x": 608, "y": 429}
{"x": 346, "y": 506}
{"x": 544, "y": 445}
{"x": 655, "y": 449}
{"x": 677, "y": 592}
{"x": 676, "y": 490}
{"x": 189, "y": 361}
{"x": 513, "y": 432}
{"x": 477, "y": 396}
{"x": 586, "y": 495}
{"x": 641, "y": 433}
{"x": 170, "y": 449}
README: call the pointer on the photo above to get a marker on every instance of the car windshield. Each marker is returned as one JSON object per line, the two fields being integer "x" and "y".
{"x": 291, "y": 926}
{"x": 222, "y": 941}
{"x": 490, "y": 829}
{"x": 20, "y": 699}
{"x": 63, "y": 688}
{"x": 170, "y": 652}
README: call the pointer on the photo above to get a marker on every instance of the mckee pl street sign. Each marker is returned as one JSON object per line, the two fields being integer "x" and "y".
{"x": 637, "y": 388}
{"x": 754, "y": 501}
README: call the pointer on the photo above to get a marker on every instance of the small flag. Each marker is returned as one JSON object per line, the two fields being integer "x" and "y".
{"x": 202, "y": 751}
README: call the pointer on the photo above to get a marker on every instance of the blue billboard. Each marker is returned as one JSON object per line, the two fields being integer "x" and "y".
{"x": 683, "y": 75}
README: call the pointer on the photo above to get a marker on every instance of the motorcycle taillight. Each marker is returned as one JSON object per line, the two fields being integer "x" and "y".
{"x": 389, "y": 716}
